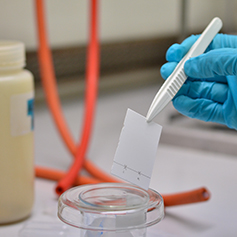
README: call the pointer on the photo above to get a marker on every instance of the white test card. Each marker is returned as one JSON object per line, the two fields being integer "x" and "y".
{"x": 136, "y": 151}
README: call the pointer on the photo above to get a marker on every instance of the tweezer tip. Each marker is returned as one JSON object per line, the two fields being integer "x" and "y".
{"x": 148, "y": 118}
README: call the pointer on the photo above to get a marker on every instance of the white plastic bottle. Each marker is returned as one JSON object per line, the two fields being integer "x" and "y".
{"x": 16, "y": 134}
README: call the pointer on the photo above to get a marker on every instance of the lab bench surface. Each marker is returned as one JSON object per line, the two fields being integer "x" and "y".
{"x": 176, "y": 169}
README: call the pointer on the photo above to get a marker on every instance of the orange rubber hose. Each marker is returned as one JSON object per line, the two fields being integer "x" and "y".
{"x": 92, "y": 74}
{"x": 193, "y": 196}
{"x": 197, "y": 195}
{"x": 49, "y": 80}
{"x": 50, "y": 88}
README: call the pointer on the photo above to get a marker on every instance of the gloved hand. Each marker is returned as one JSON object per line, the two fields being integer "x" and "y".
{"x": 210, "y": 92}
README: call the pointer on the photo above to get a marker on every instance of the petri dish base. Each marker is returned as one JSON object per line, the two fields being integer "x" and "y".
{"x": 111, "y": 207}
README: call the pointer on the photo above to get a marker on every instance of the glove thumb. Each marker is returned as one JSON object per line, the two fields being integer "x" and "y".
{"x": 218, "y": 62}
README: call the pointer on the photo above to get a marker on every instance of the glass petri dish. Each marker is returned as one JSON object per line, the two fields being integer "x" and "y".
{"x": 110, "y": 207}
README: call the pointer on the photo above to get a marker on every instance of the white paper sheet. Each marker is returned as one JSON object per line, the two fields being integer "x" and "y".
{"x": 136, "y": 151}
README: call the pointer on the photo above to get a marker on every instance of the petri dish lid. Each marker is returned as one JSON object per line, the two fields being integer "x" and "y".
{"x": 110, "y": 207}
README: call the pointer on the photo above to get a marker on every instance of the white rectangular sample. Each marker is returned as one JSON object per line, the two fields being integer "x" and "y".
{"x": 136, "y": 151}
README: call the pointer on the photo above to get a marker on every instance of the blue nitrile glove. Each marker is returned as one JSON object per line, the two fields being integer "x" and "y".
{"x": 210, "y": 92}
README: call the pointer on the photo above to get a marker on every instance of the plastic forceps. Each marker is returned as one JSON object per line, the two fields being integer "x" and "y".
{"x": 174, "y": 82}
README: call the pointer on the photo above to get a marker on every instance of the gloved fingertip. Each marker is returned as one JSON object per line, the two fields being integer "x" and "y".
{"x": 163, "y": 72}
{"x": 170, "y": 51}
{"x": 175, "y": 53}
{"x": 167, "y": 69}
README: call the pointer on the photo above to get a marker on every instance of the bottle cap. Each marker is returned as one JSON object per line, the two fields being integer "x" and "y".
{"x": 12, "y": 55}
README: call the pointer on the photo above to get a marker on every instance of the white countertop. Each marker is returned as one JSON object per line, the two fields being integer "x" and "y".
{"x": 176, "y": 169}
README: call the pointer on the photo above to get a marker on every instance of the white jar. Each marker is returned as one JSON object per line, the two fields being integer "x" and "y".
{"x": 16, "y": 134}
